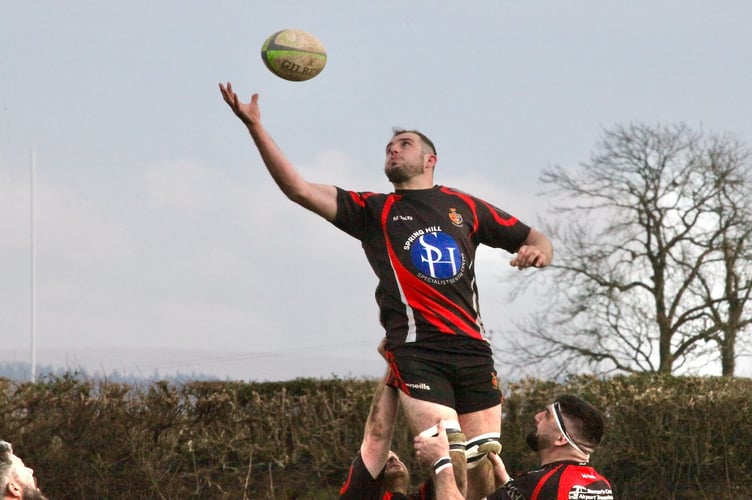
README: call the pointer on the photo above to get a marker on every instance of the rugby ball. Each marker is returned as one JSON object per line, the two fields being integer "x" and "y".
{"x": 294, "y": 55}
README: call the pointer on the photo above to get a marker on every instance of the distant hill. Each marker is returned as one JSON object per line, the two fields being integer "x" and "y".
{"x": 128, "y": 364}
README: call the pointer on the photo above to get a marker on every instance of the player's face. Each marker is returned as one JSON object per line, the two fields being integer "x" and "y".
{"x": 545, "y": 432}
{"x": 24, "y": 476}
{"x": 396, "y": 474}
{"x": 405, "y": 157}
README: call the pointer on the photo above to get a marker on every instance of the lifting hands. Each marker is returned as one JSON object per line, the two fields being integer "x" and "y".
{"x": 501, "y": 476}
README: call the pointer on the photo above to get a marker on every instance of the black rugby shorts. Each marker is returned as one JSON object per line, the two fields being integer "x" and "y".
{"x": 465, "y": 382}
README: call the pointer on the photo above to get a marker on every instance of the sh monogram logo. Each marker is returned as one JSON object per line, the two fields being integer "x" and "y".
{"x": 437, "y": 256}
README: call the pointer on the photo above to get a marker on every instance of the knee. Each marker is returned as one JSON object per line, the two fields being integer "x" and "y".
{"x": 478, "y": 447}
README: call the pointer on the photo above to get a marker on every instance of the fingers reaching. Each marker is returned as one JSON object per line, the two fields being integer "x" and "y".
{"x": 227, "y": 94}
{"x": 247, "y": 112}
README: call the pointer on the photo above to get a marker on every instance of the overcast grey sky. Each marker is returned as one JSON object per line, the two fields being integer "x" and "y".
{"x": 158, "y": 228}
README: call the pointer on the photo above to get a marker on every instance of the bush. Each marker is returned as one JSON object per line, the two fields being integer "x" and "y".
{"x": 666, "y": 437}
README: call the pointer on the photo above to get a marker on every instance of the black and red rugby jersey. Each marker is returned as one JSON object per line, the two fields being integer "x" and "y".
{"x": 557, "y": 481}
{"x": 359, "y": 485}
{"x": 421, "y": 244}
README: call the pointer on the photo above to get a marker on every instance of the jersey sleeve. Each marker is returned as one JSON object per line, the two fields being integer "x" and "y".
{"x": 498, "y": 229}
{"x": 360, "y": 485}
{"x": 352, "y": 213}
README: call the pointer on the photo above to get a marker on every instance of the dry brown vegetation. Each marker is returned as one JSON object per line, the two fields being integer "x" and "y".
{"x": 667, "y": 437}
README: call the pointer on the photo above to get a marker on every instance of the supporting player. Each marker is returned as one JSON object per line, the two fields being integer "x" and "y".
{"x": 377, "y": 472}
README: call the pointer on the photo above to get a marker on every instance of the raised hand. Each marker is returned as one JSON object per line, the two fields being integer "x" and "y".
{"x": 248, "y": 112}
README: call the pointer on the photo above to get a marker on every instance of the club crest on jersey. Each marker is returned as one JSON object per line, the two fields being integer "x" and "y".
{"x": 455, "y": 217}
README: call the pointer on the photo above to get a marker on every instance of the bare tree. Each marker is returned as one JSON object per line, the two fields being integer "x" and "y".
{"x": 652, "y": 265}
{"x": 726, "y": 284}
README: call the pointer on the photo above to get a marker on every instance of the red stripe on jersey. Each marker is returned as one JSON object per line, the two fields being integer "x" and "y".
{"x": 360, "y": 198}
{"x": 430, "y": 303}
{"x": 510, "y": 221}
{"x": 347, "y": 482}
{"x": 542, "y": 482}
{"x": 422, "y": 297}
{"x": 468, "y": 200}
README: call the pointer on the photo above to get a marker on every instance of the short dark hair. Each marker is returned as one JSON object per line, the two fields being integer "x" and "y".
{"x": 586, "y": 420}
{"x": 426, "y": 141}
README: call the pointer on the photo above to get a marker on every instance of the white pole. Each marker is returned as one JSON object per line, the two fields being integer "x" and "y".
{"x": 33, "y": 272}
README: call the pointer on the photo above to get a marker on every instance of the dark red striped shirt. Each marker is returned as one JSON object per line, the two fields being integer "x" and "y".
{"x": 422, "y": 244}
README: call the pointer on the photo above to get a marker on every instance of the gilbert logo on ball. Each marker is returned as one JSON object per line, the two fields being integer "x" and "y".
{"x": 294, "y": 55}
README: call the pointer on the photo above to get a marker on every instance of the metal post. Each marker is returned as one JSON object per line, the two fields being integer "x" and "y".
{"x": 33, "y": 258}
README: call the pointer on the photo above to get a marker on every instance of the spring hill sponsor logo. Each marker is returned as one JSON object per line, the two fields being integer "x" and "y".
{"x": 422, "y": 386}
{"x": 436, "y": 256}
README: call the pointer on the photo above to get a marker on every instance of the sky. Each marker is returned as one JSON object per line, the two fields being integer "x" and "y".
{"x": 160, "y": 242}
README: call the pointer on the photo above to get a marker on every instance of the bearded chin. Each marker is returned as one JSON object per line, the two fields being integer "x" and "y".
{"x": 403, "y": 172}
{"x": 396, "y": 176}
{"x": 396, "y": 481}
{"x": 532, "y": 441}
{"x": 32, "y": 494}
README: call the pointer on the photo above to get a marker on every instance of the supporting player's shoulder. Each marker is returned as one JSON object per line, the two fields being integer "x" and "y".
{"x": 583, "y": 481}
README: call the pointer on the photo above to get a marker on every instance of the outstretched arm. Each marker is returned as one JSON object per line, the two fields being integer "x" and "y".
{"x": 319, "y": 198}
{"x": 536, "y": 251}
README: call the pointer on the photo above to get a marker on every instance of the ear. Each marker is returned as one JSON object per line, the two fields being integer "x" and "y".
{"x": 14, "y": 489}
{"x": 430, "y": 160}
{"x": 561, "y": 441}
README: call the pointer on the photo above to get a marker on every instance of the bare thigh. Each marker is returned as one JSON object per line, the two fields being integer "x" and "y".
{"x": 481, "y": 422}
{"x": 424, "y": 414}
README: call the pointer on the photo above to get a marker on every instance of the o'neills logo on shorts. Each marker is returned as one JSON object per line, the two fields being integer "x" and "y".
{"x": 421, "y": 386}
